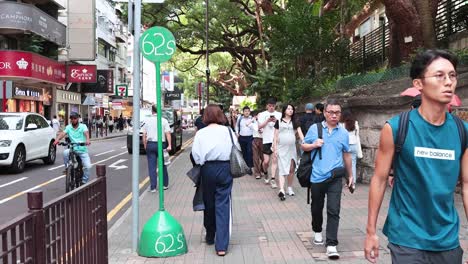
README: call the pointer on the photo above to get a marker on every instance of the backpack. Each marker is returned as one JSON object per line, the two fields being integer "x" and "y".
{"x": 403, "y": 131}
{"x": 304, "y": 170}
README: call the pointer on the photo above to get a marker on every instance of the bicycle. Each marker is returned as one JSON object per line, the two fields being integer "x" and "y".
{"x": 74, "y": 168}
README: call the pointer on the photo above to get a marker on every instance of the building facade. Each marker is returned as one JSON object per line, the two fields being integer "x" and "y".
{"x": 30, "y": 36}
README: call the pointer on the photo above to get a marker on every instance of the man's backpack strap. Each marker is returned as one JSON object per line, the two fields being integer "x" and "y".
{"x": 320, "y": 135}
{"x": 461, "y": 132}
{"x": 401, "y": 136}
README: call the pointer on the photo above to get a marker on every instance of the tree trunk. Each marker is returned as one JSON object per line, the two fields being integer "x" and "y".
{"x": 427, "y": 23}
{"x": 411, "y": 27}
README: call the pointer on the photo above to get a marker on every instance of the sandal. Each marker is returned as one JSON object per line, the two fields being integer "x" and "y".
{"x": 221, "y": 253}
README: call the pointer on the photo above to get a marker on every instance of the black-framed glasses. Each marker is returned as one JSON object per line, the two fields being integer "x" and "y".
{"x": 332, "y": 113}
{"x": 443, "y": 76}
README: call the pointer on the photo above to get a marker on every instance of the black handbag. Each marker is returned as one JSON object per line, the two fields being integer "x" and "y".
{"x": 304, "y": 169}
{"x": 238, "y": 166}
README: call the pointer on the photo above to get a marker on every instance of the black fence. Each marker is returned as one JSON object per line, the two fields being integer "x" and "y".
{"x": 371, "y": 51}
{"x": 69, "y": 229}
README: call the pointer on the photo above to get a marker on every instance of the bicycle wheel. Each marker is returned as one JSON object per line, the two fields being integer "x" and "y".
{"x": 79, "y": 176}
{"x": 69, "y": 184}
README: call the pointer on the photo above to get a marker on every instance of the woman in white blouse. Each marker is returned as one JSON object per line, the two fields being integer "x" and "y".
{"x": 352, "y": 126}
{"x": 211, "y": 149}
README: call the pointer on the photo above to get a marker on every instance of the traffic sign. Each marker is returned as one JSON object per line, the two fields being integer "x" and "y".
{"x": 157, "y": 44}
{"x": 121, "y": 90}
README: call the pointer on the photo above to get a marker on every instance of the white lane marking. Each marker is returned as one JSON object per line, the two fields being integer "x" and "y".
{"x": 49, "y": 181}
{"x": 118, "y": 167}
{"x": 31, "y": 189}
{"x": 13, "y": 182}
{"x": 97, "y": 155}
{"x": 54, "y": 168}
{"x": 123, "y": 147}
{"x": 111, "y": 157}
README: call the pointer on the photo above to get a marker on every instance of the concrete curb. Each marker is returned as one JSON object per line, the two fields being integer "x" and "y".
{"x": 126, "y": 214}
{"x": 109, "y": 137}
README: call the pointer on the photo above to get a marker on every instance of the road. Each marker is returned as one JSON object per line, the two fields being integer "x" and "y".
{"x": 50, "y": 179}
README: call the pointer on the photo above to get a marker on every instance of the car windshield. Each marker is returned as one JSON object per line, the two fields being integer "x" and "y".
{"x": 11, "y": 122}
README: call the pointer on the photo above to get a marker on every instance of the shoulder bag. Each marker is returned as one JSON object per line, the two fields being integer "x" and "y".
{"x": 238, "y": 166}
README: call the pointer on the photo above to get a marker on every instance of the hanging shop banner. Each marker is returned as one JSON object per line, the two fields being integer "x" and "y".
{"x": 30, "y": 65}
{"x": 104, "y": 84}
{"x": 81, "y": 73}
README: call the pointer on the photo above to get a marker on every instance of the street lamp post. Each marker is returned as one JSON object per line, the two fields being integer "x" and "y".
{"x": 207, "y": 55}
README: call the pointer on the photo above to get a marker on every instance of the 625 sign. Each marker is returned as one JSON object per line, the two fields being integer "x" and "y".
{"x": 157, "y": 44}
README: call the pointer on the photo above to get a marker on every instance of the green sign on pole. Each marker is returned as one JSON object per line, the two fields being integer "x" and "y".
{"x": 162, "y": 235}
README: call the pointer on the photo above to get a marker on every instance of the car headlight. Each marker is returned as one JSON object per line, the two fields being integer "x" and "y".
{"x": 5, "y": 143}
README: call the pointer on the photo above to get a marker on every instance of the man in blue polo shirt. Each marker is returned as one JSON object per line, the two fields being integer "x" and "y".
{"x": 422, "y": 223}
{"x": 330, "y": 166}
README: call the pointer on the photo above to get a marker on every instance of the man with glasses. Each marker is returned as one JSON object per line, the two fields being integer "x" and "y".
{"x": 331, "y": 164}
{"x": 422, "y": 224}
{"x": 77, "y": 133}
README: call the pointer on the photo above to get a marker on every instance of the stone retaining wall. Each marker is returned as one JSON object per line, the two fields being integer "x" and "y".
{"x": 373, "y": 105}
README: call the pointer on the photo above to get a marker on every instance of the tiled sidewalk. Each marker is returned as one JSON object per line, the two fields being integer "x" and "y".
{"x": 265, "y": 230}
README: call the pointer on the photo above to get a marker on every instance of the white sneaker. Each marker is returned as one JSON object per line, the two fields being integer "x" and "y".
{"x": 267, "y": 181}
{"x": 318, "y": 239}
{"x": 332, "y": 253}
{"x": 290, "y": 191}
{"x": 273, "y": 184}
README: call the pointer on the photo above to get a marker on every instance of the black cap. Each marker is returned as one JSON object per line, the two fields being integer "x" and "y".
{"x": 74, "y": 114}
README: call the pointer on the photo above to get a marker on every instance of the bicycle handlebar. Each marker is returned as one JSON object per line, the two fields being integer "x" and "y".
{"x": 72, "y": 144}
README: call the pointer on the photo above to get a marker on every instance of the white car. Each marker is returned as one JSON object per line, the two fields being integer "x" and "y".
{"x": 25, "y": 137}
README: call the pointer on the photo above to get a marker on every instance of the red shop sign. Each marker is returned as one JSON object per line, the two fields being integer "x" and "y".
{"x": 22, "y": 64}
{"x": 81, "y": 73}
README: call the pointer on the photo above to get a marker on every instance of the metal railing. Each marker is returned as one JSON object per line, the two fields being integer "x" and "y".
{"x": 69, "y": 229}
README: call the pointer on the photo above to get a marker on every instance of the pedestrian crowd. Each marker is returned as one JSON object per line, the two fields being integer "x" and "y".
{"x": 422, "y": 154}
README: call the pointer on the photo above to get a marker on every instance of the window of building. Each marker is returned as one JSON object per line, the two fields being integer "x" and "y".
{"x": 365, "y": 28}
{"x": 111, "y": 55}
{"x": 102, "y": 48}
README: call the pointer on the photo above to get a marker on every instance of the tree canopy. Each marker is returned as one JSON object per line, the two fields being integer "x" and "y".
{"x": 283, "y": 48}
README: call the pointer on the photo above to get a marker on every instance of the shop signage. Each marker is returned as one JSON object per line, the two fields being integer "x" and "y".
{"x": 30, "y": 18}
{"x": 170, "y": 96}
{"x": 121, "y": 90}
{"x": 68, "y": 97}
{"x": 104, "y": 84}
{"x": 29, "y": 65}
{"x": 33, "y": 94}
{"x": 81, "y": 73}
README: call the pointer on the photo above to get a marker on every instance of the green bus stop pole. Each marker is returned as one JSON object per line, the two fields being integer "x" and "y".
{"x": 160, "y": 135}
{"x": 162, "y": 236}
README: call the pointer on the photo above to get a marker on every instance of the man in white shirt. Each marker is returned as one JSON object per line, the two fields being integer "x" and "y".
{"x": 55, "y": 124}
{"x": 150, "y": 142}
{"x": 266, "y": 122}
{"x": 245, "y": 134}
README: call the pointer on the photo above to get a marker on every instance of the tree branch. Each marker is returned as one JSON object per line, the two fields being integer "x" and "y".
{"x": 244, "y": 7}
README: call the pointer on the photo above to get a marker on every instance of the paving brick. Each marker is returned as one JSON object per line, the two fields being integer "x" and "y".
{"x": 265, "y": 230}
